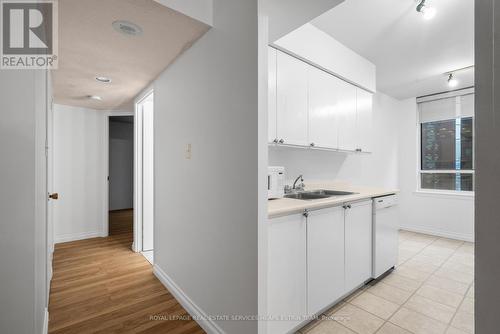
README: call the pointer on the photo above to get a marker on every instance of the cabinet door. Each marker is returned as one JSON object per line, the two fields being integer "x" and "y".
{"x": 292, "y": 100}
{"x": 323, "y": 116}
{"x": 325, "y": 258}
{"x": 286, "y": 272}
{"x": 358, "y": 244}
{"x": 364, "y": 102}
{"x": 346, "y": 109}
{"x": 271, "y": 107}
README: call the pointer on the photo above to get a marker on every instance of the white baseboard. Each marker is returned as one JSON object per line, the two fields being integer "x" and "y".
{"x": 46, "y": 322}
{"x": 439, "y": 233}
{"x": 77, "y": 236}
{"x": 194, "y": 310}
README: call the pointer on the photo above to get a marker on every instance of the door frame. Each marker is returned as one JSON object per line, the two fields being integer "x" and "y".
{"x": 105, "y": 213}
{"x": 138, "y": 163}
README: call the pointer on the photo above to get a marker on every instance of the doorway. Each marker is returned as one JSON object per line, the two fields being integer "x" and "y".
{"x": 144, "y": 177}
{"x": 121, "y": 175}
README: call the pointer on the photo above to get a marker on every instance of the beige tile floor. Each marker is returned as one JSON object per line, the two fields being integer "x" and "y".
{"x": 431, "y": 291}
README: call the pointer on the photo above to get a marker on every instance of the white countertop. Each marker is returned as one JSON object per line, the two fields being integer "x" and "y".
{"x": 287, "y": 206}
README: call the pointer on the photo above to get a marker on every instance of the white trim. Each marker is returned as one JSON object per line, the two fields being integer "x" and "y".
{"x": 438, "y": 233}
{"x": 78, "y": 236}
{"x": 45, "y": 329}
{"x": 469, "y": 195}
{"x": 105, "y": 211}
{"x": 194, "y": 310}
{"x": 137, "y": 245}
{"x": 144, "y": 94}
{"x": 138, "y": 163}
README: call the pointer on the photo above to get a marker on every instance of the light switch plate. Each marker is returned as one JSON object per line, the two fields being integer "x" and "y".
{"x": 188, "y": 151}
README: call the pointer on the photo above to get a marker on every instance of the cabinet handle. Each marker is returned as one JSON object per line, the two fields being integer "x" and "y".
{"x": 349, "y": 206}
{"x": 275, "y": 140}
{"x": 346, "y": 206}
{"x": 281, "y": 141}
{"x": 359, "y": 150}
{"x": 312, "y": 144}
{"x": 306, "y": 213}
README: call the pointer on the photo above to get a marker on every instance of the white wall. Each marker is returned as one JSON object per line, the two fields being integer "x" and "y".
{"x": 121, "y": 164}
{"x": 378, "y": 169}
{"x": 78, "y": 172}
{"x": 206, "y": 206}
{"x": 23, "y": 238}
{"x": 201, "y": 10}
{"x": 446, "y": 215}
{"x": 319, "y": 48}
{"x": 287, "y": 15}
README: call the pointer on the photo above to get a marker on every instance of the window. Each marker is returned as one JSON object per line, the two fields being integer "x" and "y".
{"x": 446, "y": 144}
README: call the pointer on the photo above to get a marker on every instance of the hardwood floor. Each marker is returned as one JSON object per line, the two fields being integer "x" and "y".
{"x": 100, "y": 286}
{"x": 121, "y": 221}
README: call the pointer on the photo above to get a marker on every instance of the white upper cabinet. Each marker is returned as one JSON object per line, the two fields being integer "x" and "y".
{"x": 292, "y": 105}
{"x": 271, "y": 108}
{"x": 358, "y": 244}
{"x": 286, "y": 272}
{"x": 364, "y": 101}
{"x": 311, "y": 107}
{"x": 346, "y": 109}
{"x": 325, "y": 258}
{"x": 323, "y": 108}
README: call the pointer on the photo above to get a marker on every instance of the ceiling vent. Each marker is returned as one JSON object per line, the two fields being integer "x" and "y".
{"x": 127, "y": 28}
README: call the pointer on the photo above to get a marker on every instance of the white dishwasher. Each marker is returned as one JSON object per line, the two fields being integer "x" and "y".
{"x": 385, "y": 234}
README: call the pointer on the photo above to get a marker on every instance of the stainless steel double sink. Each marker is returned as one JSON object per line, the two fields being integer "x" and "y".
{"x": 317, "y": 194}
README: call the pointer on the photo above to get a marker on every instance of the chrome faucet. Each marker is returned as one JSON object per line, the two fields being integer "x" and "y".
{"x": 301, "y": 185}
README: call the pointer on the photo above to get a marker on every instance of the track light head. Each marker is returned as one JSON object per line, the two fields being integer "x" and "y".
{"x": 452, "y": 82}
{"x": 428, "y": 12}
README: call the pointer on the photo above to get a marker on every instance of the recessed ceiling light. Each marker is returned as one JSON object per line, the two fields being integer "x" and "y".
{"x": 127, "y": 28}
{"x": 452, "y": 82}
{"x": 427, "y": 11}
{"x": 103, "y": 79}
{"x": 95, "y": 97}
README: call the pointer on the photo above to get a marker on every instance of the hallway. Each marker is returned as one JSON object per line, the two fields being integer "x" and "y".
{"x": 100, "y": 286}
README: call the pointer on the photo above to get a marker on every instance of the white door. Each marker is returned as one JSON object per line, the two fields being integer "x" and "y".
{"x": 325, "y": 258}
{"x": 358, "y": 244}
{"x": 286, "y": 280}
{"x": 271, "y": 109}
{"x": 323, "y": 115}
{"x": 364, "y": 103}
{"x": 50, "y": 188}
{"x": 147, "y": 175}
{"x": 292, "y": 113}
{"x": 346, "y": 108}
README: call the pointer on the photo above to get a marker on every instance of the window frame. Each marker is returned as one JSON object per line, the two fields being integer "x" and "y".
{"x": 421, "y": 171}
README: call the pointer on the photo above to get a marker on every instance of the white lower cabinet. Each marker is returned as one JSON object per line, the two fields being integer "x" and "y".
{"x": 358, "y": 244}
{"x": 286, "y": 282}
{"x": 315, "y": 260}
{"x": 325, "y": 258}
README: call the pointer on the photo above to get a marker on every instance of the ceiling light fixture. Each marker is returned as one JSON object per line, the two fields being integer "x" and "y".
{"x": 428, "y": 12}
{"x": 103, "y": 79}
{"x": 95, "y": 97}
{"x": 452, "y": 82}
{"x": 127, "y": 28}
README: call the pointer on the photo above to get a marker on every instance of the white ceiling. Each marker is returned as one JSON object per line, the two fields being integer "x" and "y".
{"x": 411, "y": 54}
{"x": 90, "y": 47}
